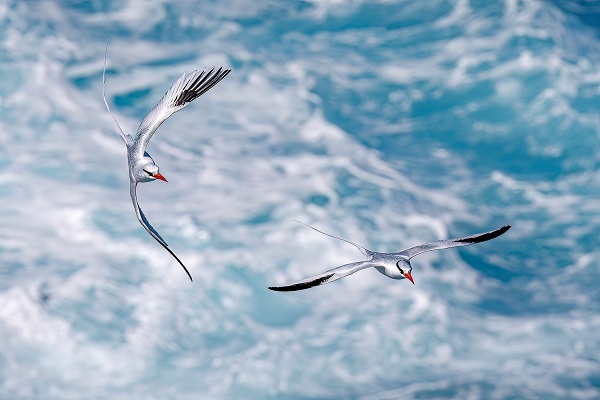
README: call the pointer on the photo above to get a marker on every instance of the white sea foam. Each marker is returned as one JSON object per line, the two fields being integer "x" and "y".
{"x": 335, "y": 114}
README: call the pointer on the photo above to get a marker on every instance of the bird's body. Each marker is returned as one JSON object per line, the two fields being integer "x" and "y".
{"x": 392, "y": 265}
{"x": 386, "y": 264}
{"x": 141, "y": 165}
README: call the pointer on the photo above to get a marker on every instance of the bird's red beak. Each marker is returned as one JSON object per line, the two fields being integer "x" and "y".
{"x": 409, "y": 277}
{"x": 159, "y": 176}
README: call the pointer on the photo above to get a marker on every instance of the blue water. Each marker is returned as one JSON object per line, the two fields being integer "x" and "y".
{"x": 389, "y": 123}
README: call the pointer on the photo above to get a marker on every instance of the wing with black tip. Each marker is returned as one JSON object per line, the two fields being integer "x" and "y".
{"x": 142, "y": 218}
{"x": 183, "y": 92}
{"x": 326, "y": 277}
{"x": 447, "y": 243}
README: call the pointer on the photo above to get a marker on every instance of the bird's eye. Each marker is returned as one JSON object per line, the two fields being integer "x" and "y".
{"x": 149, "y": 173}
{"x": 398, "y": 265}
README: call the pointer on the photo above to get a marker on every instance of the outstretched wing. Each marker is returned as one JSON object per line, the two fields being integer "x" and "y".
{"x": 142, "y": 218}
{"x": 444, "y": 244}
{"x": 184, "y": 91}
{"x": 325, "y": 277}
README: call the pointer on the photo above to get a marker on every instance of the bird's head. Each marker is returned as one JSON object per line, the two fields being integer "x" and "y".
{"x": 146, "y": 171}
{"x": 405, "y": 269}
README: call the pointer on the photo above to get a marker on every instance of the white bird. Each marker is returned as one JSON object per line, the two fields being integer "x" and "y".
{"x": 141, "y": 166}
{"x": 392, "y": 265}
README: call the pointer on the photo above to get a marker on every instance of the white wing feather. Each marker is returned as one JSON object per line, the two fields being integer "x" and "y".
{"x": 184, "y": 91}
{"x": 326, "y": 277}
{"x": 447, "y": 243}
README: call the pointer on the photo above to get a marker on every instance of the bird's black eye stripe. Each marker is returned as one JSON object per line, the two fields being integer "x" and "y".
{"x": 148, "y": 172}
{"x": 398, "y": 265}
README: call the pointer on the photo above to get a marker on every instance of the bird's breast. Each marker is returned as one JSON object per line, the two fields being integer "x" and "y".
{"x": 390, "y": 271}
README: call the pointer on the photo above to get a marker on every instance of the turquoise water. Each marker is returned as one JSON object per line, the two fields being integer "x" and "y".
{"x": 389, "y": 123}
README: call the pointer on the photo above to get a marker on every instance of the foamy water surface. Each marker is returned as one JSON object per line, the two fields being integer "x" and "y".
{"x": 389, "y": 123}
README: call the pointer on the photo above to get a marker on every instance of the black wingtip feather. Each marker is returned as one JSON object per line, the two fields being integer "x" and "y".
{"x": 203, "y": 83}
{"x": 188, "y": 274}
{"x": 301, "y": 286}
{"x": 484, "y": 236}
{"x": 217, "y": 77}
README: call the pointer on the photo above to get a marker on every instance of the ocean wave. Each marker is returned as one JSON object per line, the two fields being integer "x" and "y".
{"x": 389, "y": 123}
